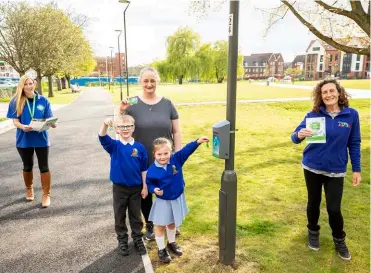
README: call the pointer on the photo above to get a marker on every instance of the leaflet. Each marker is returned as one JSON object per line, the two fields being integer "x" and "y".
{"x": 318, "y": 126}
{"x": 42, "y": 125}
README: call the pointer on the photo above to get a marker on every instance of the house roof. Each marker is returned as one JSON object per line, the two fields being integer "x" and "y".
{"x": 299, "y": 59}
{"x": 259, "y": 58}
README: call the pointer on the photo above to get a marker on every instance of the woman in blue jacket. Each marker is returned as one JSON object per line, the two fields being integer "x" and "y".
{"x": 326, "y": 163}
{"x": 26, "y": 105}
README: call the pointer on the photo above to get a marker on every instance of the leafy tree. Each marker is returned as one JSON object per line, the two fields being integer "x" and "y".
{"x": 181, "y": 48}
{"x": 205, "y": 57}
{"x": 16, "y": 33}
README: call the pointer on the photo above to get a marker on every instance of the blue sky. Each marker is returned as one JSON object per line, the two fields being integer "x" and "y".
{"x": 149, "y": 22}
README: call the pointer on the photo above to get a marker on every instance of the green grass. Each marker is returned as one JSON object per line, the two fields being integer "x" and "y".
{"x": 356, "y": 84}
{"x": 64, "y": 96}
{"x": 2, "y": 119}
{"x": 271, "y": 209}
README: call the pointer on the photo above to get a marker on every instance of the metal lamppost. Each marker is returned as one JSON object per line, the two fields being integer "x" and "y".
{"x": 110, "y": 78}
{"x": 228, "y": 191}
{"x": 126, "y": 49}
{"x": 120, "y": 60}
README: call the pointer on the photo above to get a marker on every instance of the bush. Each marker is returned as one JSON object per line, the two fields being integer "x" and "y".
{"x": 7, "y": 92}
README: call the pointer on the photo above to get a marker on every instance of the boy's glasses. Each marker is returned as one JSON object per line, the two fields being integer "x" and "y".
{"x": 124, "y": 127}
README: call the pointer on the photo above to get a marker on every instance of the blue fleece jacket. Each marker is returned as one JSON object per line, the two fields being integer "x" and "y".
{"x": 342, "y": 135}
{"x": 170, "y": 180}
{"x": 127, "y": 161}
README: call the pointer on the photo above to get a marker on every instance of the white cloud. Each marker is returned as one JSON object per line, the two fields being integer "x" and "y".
{"x": 149, "y": 22}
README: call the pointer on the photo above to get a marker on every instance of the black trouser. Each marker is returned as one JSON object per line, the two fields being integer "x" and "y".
{"x": 146, "y": 207}
{"x": 127, "y": 198}
{"x": 42, "y": 154}
{"x": 333, "y": 192}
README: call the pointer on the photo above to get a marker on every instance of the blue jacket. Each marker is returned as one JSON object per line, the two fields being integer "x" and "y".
{"x": 42, "y": 111}
{"x": 342, "y": 135}
{"x": 170, "y": 180}
{"x": 127, "y": 161}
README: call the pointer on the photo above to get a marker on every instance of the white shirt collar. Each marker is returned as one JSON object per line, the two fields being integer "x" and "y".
{"x": 160, "y": 165}
{"x": 131, "y": 142}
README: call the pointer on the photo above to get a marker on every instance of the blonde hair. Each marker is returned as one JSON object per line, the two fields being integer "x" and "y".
{"x": 161, "y": 141}
{"x": 149, "y": 69}
{"x": 19, "y": 96}
{"x": 124, "y": 118}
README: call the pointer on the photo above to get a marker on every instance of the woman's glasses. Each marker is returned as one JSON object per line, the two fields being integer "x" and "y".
{"x": 124, "y": 127}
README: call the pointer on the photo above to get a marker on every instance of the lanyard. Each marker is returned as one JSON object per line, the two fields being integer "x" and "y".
{"x": 33, "y": 106}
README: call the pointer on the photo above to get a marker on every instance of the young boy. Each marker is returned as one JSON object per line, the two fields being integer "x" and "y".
{"x": 129, "y": 164}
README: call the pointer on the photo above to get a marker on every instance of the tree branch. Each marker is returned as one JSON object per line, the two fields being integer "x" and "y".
{"x": 328, "y": 40}
{"x": 357, "y": 14}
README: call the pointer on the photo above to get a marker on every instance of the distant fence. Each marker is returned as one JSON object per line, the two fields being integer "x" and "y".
{"x": 83, "y": 81}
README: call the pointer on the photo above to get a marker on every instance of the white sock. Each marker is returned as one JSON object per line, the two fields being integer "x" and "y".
{"x": 171, "y": 235}
{"x": 160, "y": 242}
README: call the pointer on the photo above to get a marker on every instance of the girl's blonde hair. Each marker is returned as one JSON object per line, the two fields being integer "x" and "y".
{"x": 161, "y": 141}
{"x": 19, "y": 96}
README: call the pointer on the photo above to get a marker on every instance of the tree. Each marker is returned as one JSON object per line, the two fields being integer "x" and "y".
{"x": 181, "y": 48}
{"x": 336, "y": 24}
{"x": 205, "y": 57}
{"x": 16, "y": 32}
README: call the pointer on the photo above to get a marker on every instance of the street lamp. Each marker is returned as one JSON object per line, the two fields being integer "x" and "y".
{"x": 110, "y": 78}
{"x": 120, "y": 60}
{"x": 126, "y": 49}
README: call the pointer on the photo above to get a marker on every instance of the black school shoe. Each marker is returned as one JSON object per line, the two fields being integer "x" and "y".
{"x": 164, "y": 256}
{"x": 123, "y": 247}
{"x": 313, "y": 239}
{"x": 140, "y": 248}
{"x": 173, "y": 247}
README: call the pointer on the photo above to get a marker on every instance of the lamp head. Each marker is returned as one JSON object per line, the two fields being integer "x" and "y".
{"x": 124, "y": 1}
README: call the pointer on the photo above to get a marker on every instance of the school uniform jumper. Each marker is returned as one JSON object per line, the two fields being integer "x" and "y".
{"x": 171, "y": 207}
{"x": 326, "y": 163}
{"x": 128, "y": 161}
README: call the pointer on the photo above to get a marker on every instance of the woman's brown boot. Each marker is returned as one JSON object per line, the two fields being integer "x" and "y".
{"x": 45, "y": 184}
{"x": 28, "y": 181}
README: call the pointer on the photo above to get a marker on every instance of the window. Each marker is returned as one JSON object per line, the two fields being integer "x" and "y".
{"x": 357, "y": 65}
{"x": 358, "y": 58}
{"x": 336, "y": 57}
{"x": 321, "y": 59}
{"x": 320, "y": 67}
{"x": 331, "y": 58}
{"x": 315, "y": 49}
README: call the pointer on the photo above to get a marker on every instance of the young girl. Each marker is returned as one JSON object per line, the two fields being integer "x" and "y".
{"x": 165, "y": 179}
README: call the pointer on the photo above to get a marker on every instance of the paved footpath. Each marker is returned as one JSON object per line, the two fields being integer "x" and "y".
{"x": 76, "y": 233}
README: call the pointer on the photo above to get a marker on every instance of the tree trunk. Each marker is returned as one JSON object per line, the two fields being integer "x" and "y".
{"x": 68, "y": 81}
{"x": 63, "y": 80}
{"x": 50, "y": 83}
{"x": 59, "y": 87}
{"x": 39, "y": 86}
{"x": 220, "y": 80}
{"x": 181, "y": 79}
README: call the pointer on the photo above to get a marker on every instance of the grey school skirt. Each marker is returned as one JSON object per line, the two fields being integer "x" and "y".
{"x": 165, "y": 212}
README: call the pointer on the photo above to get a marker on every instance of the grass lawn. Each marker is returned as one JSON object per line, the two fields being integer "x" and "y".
{"x": 271, "y": 209}
{"x": 215, "y": 92}
{"x": 1, "y": 118}
{"x": 60, "y": 97}
{"x": 356, "y": 84}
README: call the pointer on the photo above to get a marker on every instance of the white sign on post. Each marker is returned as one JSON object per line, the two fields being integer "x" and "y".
{"x": 230, "y": 27}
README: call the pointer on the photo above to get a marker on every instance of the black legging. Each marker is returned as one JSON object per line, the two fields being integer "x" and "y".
{"x": 333, "y": 191}
{"x": 42, "y": 154}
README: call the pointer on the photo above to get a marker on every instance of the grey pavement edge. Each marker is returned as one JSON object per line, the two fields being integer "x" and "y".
{"x": 76, "y": 233}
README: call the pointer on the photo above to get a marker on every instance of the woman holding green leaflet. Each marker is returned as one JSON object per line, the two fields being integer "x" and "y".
{"x": 25, "y": 106}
